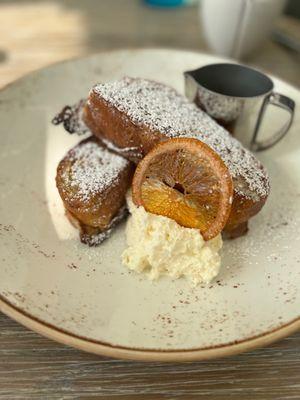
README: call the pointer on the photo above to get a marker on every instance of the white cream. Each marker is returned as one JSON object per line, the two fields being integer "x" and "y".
{"x": 158, "y": 246}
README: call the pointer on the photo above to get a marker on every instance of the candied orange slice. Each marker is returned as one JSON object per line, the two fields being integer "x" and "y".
{"x": 185, "y": 180}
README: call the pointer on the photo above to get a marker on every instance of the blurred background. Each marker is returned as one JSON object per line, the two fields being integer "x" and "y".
{"x": 262, "y": 33}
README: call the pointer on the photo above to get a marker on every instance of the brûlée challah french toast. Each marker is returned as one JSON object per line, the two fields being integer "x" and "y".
{"x": 92, "y": 183}
{"x": 133, "y": 115}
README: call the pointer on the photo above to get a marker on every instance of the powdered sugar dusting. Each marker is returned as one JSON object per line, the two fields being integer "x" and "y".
{"x": 162, "y": 109}
{"x": 94, "y": 169}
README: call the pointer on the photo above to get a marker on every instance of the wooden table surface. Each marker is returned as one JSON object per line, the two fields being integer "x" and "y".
{"x": 36, "y": 33}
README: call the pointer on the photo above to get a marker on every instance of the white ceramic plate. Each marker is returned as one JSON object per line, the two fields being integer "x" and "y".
{"x": 83, "y": 296}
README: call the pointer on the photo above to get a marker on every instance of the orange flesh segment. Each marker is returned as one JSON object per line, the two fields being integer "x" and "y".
{"x": 186, "y": 210}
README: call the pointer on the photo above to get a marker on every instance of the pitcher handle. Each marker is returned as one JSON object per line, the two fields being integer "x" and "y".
{"x": 278, "y": 100}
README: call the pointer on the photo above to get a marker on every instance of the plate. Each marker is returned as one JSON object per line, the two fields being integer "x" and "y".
{"x": 83, "y": 296}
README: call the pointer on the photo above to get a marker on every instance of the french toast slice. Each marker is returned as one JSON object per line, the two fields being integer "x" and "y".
{"x": 92, "y": 183}
{"x": 132, "y": 115}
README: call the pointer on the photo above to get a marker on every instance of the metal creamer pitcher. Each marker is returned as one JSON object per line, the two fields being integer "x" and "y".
{"x": 237, "y": 96}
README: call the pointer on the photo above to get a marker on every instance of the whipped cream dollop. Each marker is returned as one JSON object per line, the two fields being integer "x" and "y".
{"x": 159, "y": 246}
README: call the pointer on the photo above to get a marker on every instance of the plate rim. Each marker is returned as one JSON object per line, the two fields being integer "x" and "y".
{"x": 139, "y": 354}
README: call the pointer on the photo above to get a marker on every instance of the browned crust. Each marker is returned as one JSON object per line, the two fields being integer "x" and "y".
{"x": 107, "y": 122}
{"x": 93, "y": 236}
{"x": 242, "y": 210}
